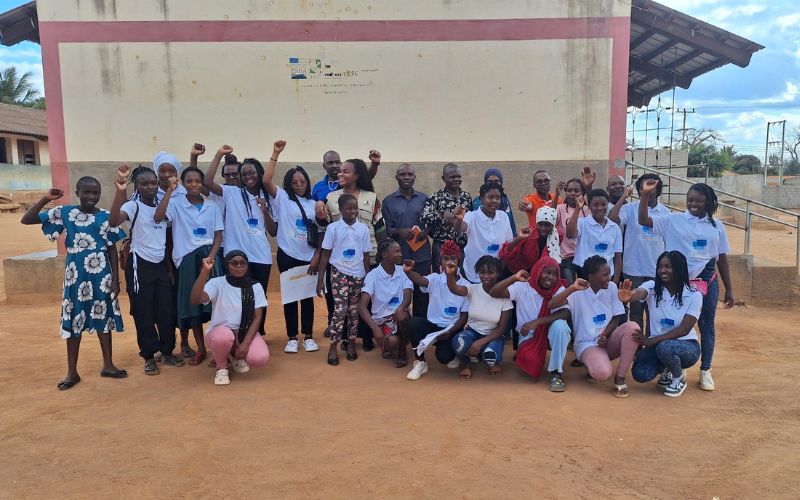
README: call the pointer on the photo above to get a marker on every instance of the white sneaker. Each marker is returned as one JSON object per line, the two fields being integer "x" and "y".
{"x": 419, "y": 369}
{"x": 310, "y": 346}
{"x": 706, "y": 382}
{"x": 241, "y": 366}
{"x": 455, "y": 363}
{"x": 292, "y": 347}
{"x": 676, "y": 387}
{"x": 222, "y": 378}
{"x": 664, "y": 380}
{"x": 474, "y": 360}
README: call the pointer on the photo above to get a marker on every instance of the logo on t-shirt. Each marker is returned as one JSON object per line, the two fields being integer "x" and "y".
{"x": 666, "y": 324}
{"x": 300, "y": 224}
{"x": 199, "y": 231}
{"x": 450, "y": 311}
{"x": 601, "y": 247}
{"x": 494, "y": 247}
{"x": 394, "y": 301}
{"x": 600, "y": 319}
{"x": 349, "y": 253}
{"x": 252, "y": 222}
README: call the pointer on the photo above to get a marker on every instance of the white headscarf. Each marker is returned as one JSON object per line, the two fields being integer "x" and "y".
{"x": 547, "y": 214}
{"x": 163, "y": 157}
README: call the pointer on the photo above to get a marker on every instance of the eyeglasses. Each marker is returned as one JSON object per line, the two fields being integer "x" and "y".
{"x": 238, "y": 263}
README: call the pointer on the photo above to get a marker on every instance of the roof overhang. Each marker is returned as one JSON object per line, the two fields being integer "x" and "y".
{"x": 669, "y": 49}
{"x": 20, "y": 24}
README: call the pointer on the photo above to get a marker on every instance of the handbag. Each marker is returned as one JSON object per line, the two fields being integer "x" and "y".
{"x": 312, "y": 229}
{"x": 125, "y": 247}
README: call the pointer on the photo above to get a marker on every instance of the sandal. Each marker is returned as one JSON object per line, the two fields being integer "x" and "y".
{"x": 114, "y": 374}
{"x": 150, "y": 367}
{"x": 495, "y": 370}
{"x": 187, "y": 352}
{"x": 576, "y": 363}
{"x": 67, "y": 384}
{"x": 198, "y": 358}
{"x": 387, "y": 355}
{"x": 557, "y": 383}
{"x": 621, "y": 391}
{"x": 465, "y": 373}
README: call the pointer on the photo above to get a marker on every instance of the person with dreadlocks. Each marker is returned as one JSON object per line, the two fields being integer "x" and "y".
{"x": 147, "y": 272}
{"x": 446, "y": 310}
{"x": 704, "y": 243}
{"x": 90, "y": 300}
{"x": 248, "y": 216}
{"x": 673, "y": 309}
{"x": 295, "y": 208}
{"x": 238, "y": 303}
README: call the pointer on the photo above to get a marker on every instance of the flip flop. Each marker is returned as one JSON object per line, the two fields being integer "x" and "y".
{"x": 495, "y": 370}
{"x": 465, "y": 373}
{"x": 67, "y": 384}
{"x": 114, "y": 374}
{"x": 557, "y": 383}
{"x": 621, "y": 391}
{"x": 198, "y": 358}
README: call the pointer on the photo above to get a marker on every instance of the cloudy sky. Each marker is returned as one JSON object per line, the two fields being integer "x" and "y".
{"x": 735, "y": 101}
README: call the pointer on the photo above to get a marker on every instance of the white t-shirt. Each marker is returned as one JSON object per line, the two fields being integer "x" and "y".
{"x": 219, "y": 202}
{"x": 668, "y": 315}
{"x": 642, "y": 244}
{"x": 591, "y": 312}
{"x": 529, "y": 302}
{"x": 444, "y": 306}
{"x": 695, "y": 238}
{"x": 594, "y": 239}
{"x": 347, "y": 245}
{"x": 245, "y": 230}
{"x": 148, "y": 238}
{"x": 192, "y": 228}
{"x": 226, "y": 302}
{"x": 484, "y": 310}
{"x": 386, "y": 291}
{"x": 292, "y": 235}
{"x": 485, "y": 236}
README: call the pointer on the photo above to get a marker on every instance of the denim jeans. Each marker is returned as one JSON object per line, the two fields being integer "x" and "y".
{"x": 558, "y": 336}
{"x": 674, "y": 355}
{"x": 707, "y": 316}
{"x": 492, "y": 352}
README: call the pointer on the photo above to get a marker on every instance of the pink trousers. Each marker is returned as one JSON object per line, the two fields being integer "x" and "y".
{"x": 220, "y": 340}
{"x": 620, "y": 344}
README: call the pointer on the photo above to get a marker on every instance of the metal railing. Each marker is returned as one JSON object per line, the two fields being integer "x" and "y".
{"x": 748, "y": 209}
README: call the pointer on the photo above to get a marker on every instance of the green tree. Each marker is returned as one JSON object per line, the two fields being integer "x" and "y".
{"x": 747, "y": 164}
{"x": 16, "y": 89}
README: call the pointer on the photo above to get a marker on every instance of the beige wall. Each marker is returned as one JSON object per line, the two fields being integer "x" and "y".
{"x": 12, "y": 152}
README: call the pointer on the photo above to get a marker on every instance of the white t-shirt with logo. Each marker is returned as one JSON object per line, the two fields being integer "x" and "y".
{"x": 668, "y": 314}
{"x": 192, "y": 228}
{"x": 444, "y": 307}
{"x": 226, "y": 302}
{"x": 697, "y": 239}
{"x": 292, "y": 235}
{"x": 594, "y": 239}
{"x": 386, "y": 291}
{"x": 245, "y": 230}
{"x": 484, "y": 310}
{"x": 591, "y": 312}
{"x": 148, "y": 238}
{"x": 347, "y": 245}
{"x": 642, "y": 244}
{"x": 485, "y": 236}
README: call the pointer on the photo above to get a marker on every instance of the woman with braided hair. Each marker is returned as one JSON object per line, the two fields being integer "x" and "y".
{"x": 238, "y": 303}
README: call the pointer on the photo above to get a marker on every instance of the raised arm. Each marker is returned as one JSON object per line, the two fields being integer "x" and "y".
{"x": 196, "y": 151}
{"x": 561, "y": 186}
{"x": 560, "y": 300}
{"x": 208, "y": 180}
{"x": 627, "y": 293}
{"x": 32, "y": 215}
{"x": 459, "y": 224}
{"x": 648, "y": 189}
{"x": 198, "y": 295}
{"x": 415, "y": 277}
{"x": 374, "y": 162}
{"x": 500, "y": 289}
{"x": 116, "y": 216}
{"x": 524, "y": 234}
{"x": 456, "y": 289}
{"x": 572, "y": 222}
{"x": 161, "y": 210}
{"x": 269, "y": 173}
{"x": 588, "y": 176}
{"x": 614, "y": 214}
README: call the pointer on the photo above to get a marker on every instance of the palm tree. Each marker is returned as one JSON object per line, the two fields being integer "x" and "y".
{"x": 15, "y": 90}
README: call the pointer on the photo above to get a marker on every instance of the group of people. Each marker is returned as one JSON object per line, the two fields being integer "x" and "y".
{"x": 446, "y": 270}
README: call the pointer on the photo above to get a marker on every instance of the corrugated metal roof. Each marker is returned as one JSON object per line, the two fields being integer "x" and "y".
{"x": 23, "y": 121}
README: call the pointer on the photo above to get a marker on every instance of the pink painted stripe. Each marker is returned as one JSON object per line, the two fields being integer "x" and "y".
{"x": 333, "y": 31}
{"x": 620, "y": 54}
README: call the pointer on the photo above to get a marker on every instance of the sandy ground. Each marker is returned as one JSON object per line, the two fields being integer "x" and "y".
{"x": 299, "y": 428}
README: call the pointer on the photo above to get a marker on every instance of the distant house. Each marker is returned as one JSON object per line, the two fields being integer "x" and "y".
{"x": 23, "y": 136}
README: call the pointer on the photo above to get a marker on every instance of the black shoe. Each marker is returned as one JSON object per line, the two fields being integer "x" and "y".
{"x": 352, "y": 356}
{"x": 368, "y": 345}
{"x": 333, "y": 361}
{"x": 344, "y": 344}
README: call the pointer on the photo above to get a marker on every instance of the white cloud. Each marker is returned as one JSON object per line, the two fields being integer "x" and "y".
{"x": 788, "y": 21}
{"x": 722, "y": 13}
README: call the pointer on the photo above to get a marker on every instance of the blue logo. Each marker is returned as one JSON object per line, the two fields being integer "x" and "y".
{"x": 300, "y": 224}
{"x": 253, "y": 223}
{"x": 647, "y": 229}
{"x": 394, "y": 301}
{"x": 667, "y": 322}
{"x": 199, "y": 231}
{"x": 450, "y": 311}
{"x": 601, "y": 247}
{"x": 493, "y": 248}
{"x": 699, "y": 244}
{"x": 349, "y": 253}
{"x": 599, "y": 319}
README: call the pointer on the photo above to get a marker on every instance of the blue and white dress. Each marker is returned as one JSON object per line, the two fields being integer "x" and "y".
{"x": 87, "y": 303}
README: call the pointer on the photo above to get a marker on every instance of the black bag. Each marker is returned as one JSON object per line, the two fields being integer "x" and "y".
{"x": 312, "y": 229}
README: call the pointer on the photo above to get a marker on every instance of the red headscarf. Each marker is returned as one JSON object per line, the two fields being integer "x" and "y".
{"x": 531, "y": 354}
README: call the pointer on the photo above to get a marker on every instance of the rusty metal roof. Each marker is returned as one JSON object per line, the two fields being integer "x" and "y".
{"x": 23, "y": 121}
{"x": 669, "y": 49}
{"x": 19, "y": 24}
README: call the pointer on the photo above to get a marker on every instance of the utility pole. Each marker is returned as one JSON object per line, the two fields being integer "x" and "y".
{"x": 683, "y": 130}
{"x": 782, "y": 143}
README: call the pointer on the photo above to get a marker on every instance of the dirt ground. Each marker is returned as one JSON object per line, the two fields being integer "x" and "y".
{"x": 300, "y": 428}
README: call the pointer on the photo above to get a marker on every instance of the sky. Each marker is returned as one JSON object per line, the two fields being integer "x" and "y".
{"x": 737, "y": 102}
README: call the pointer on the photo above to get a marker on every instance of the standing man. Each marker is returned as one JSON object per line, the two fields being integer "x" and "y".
{"x": 540, "y": 197}
{"x": 331, "y": 163}
{"x": 615, "y": 189}
{"x": 401, "y": 212}
{"x": 438, "y": 214}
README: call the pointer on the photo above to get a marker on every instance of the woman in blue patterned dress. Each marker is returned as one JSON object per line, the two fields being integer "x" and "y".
{"x": 91, "y": 282}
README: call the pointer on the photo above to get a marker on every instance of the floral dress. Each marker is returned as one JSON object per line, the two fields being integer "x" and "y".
{"x": 87, "y": 303}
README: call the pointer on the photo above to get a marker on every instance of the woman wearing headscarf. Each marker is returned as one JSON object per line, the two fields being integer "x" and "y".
{"x": 522, "y": 253}
{"x": 540, "y": 327}
{"x": 238, "y": 304}
{"x": 496, "y": 175}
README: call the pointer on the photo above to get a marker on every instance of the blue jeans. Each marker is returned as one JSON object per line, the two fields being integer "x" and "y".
{"x": 558, "y": 335}
{"x": 673, "y": 355}
{"x": 492, "y": 352}
{"x": 707, "y": 316}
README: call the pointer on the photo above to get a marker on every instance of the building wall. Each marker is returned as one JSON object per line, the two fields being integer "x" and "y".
{"x": 12, "y": 151}
{"x": 428, "y": 81}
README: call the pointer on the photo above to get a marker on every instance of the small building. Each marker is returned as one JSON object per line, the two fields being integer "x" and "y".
{"x": 23, "y": 136}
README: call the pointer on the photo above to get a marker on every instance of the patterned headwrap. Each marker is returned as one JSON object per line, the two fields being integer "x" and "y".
{"x": 548, "y": 214}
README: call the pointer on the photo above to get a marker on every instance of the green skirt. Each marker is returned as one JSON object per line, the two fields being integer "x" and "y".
{"x": 191, "y": 315}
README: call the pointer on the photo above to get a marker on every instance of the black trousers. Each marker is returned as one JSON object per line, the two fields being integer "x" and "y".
{"x": 420, "y": 327}
{"x": 286, "y": 262}
{"x": 419, "y": 299}
{"x": 152, "y": 306}
{"x": 260, "y": 273}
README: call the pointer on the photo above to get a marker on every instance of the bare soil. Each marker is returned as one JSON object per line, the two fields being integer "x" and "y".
{"x": 300, "y": 428}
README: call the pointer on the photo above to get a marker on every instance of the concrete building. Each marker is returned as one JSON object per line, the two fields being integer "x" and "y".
{"x": 23, "y": 136}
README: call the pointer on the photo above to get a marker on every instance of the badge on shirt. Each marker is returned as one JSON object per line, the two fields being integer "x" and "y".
{"x": 394, "y": 302}
{"x": 665, "y": 325}
{"x": 200, "y": 235}
{"x": 699, "y": 249}
{"x": 349, "y": 253}
{"x": 599, "y": 322}
{"x": 300, "y": 229}
{"x": 493, "y": 248}
{"x": 601, "y": 248}
{"x": 252, "y": 224}
{"x": 450, "y": 311}
{"x": 647, "y": 234}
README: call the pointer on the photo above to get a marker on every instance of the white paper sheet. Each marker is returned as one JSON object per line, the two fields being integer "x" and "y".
{"x": 430, "y": 339}
{"x": 296, "y": 284}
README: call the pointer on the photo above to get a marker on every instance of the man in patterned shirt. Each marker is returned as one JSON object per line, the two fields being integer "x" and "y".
{"x": 438, "y": 214}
